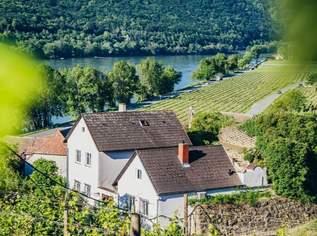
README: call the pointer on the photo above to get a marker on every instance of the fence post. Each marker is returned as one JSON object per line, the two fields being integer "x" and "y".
{"x": 186, "y": 214}
{"x": 135, "y": 227}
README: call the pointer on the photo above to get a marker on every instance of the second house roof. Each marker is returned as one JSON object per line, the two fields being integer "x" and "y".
{"x": 117, "y": 131}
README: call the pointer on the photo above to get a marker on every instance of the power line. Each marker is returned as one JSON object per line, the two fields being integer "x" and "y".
{"x": 58, "y": 183}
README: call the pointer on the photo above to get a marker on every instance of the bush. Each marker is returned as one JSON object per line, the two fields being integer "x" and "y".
{"x": 206, "y": 127}
{"x": 253, "y": 155}
{"x": 250, "y": 127}
{"x": 288, "y": 144}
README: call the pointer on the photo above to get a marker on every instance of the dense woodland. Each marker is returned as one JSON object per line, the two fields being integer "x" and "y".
{"x": 84, "y": 28}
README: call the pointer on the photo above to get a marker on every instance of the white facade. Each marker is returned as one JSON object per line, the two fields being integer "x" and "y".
{"x": 61, "y": 163}
{"x": 254, "y": 177}
{"x": 170, "y": 205}
{"x": 81, "y": 140}
{"x": 141, "y": 189}
{"x": 103, "y": 169}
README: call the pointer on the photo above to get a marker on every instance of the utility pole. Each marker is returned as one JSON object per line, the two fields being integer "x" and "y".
{"x": 135, "y": 227}
{"x": 190, "y": 116}
{"x": 66, "y": 214}
{"x": 186, "y": 233}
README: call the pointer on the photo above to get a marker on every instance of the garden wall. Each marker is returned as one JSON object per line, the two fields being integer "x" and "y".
{"x": 263, "y": 219}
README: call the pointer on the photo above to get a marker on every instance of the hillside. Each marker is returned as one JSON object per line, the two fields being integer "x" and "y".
{"x": 63, "y": 28}
{"x": 236, "y": 94}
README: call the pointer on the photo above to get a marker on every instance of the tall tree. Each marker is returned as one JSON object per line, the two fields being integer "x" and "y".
{"x": 124, "y": 81}
{"x": 156, "y": 79}
{"x": 211, "y": 66}
{"x": 88, "y": 90}
{"x": 50, "y": 102}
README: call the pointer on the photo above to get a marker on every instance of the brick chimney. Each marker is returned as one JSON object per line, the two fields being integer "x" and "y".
{"x": 183, "y": 153}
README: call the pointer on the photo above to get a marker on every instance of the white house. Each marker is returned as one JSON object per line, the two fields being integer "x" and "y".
{"x": 154, "y": 181}
{"x": 144, "y": 160}
{"x": 100, "y": 145}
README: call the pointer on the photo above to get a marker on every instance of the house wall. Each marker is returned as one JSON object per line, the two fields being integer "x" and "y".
{"x": 139, "y": 188}
{"x": 254, "y": 178}
{"x": 61, "y": 163}
{"x": 110, "y": 166}
{"x": 83, "y": 141}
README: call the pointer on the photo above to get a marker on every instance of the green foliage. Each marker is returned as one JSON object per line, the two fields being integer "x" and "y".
{"x": 213, "y": 231}
{"x": 254, "y": 156}
{"x": 173, "y": 229}
{"x": 287, "y": 142}
{"x": 156, "y": 79}
{"x": 9, "y": 175}
{"x": 50, "y": 169}
{"x": 293, "y": 100}
{"x": 60, "y": 28}
{"x": 87, "y": 90}
{"x": 20, "y": 82}
{"x": 50, "y": 102}
{"x": 239, "y": 198}
{"x": 311, "y": 79}
{"x": 211, "y": 66}
{"x": 206, "y": 126}
{"x": 124, "y": 81}
{"x": 250, "y": 127}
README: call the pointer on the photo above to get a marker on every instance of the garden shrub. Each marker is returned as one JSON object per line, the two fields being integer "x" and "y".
{"x": 206, "y": 127}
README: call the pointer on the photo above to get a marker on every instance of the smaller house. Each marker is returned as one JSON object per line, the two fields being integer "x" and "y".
{"x": 47, "y": 145}
{"x": 153, "y": 181}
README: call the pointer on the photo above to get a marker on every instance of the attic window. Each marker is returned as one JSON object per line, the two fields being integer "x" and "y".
{"x": 83, "y": 129}
{"x": 144, "y": 123}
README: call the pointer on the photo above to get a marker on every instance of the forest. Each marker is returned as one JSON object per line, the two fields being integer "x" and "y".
{"x": 86, "y": 28}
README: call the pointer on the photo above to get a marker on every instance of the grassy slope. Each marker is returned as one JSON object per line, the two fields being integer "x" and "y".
{"x": 236, "y": 94}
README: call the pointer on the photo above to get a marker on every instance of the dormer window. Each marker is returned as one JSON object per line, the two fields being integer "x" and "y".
{"x": 144, "y": 123}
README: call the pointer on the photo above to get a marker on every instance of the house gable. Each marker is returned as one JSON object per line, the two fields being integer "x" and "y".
{"x": 130, "y": 184}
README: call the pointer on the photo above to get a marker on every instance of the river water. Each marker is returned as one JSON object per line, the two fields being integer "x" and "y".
{"x": 185, "y": 64}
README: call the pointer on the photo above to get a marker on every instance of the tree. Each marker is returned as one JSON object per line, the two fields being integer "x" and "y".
{"x": 211, "y": 66}
{"x": 206, "y": 126}
{"x": 246, "y": 59}
{"x": 124, "y": 81}
{"x": 232, "y": 62}
{"x": 288, "y": 144}
{"x": 311, "y": 79}
{"x": 88, "y": 90}
{"x": 50, "y": 102}
{"x": 156, "y": 79}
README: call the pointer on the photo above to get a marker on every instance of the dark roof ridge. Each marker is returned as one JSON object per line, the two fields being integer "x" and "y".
{"x": 165, "y": 130}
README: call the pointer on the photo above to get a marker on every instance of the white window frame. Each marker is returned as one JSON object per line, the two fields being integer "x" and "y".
{"x": 87, "y": 190}
{"x": 77, "y": 185}
{"x": 139, "y": 174}
{"x": 88, "y": 157}
{"x": 144, "y": 207}
{"x": 78, "y": 154}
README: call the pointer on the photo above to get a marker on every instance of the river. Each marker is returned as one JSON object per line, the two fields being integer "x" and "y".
{"x": 185, "y": 64}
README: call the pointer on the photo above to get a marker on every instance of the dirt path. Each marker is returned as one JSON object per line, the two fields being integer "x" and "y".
{"x": 264, "y": 103}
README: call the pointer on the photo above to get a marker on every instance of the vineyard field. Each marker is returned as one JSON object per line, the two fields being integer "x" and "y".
{"x": 237, "y": 94}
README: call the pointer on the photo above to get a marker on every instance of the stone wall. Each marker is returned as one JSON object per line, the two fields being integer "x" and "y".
{"x": 263, "y": 219}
